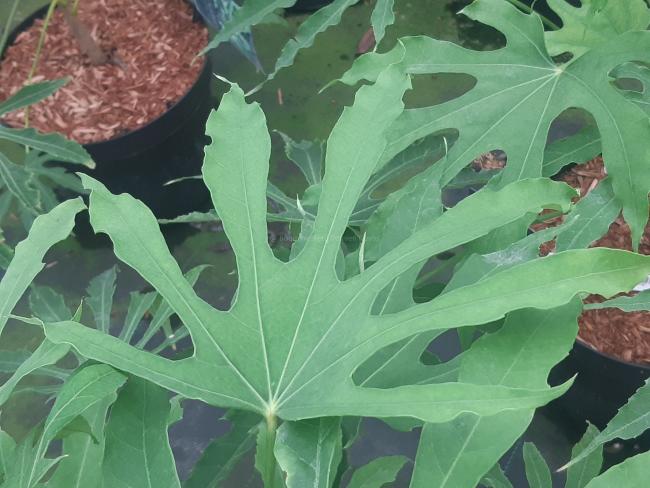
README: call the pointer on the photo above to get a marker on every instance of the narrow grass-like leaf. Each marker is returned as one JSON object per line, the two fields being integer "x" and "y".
{"x": 30, "y": 94}
{"x": 537, "y": 471}
{"x": 19, "y": 183}
{"x": 82, "y": 465}
{"x": 221, "y": 456}
{"x": 100, "y": 297}
{"x": 53, "y": 144}
{"x": 631, "y": 421}
{"x": 7, "y": 446}
{"x": 382, "y": 16}
{"x": 163, "y": 312}
{"x": 45, "y": 355}
{"x": 307, "y": 31}
{"x": 139, "y": 304}
{"x": 251, "y": 13}
{"x": 48, "y": 305}
{"x": 308, "y": 156}
{"x": 84, "y": 390}
{"x": 582, "y": 472}
{"x": 496, "y": 478}
{"x": 636, "y": 303}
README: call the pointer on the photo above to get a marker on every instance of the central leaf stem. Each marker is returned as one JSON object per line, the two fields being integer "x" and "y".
{"x": 269, "y": 455}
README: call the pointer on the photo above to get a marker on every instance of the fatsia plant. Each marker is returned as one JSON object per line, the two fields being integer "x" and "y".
{"x": 521, "y": 90}
{"x": 295, "y": 333}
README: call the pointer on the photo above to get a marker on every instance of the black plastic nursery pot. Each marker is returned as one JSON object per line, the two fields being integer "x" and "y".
{"x": 602, "y": 386}
{"x": 141, "y": 162}
{"x": 309, "y": 5}
{"x": 169, "y": 147}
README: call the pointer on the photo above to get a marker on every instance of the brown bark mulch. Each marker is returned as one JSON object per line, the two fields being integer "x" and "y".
{"x": 625, "y": 335}
{"x": 149, "y": 47}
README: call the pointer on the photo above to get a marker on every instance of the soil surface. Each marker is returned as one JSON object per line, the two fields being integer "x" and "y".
{"x": 625, "y": 335}
{"x": 149, "y": 47}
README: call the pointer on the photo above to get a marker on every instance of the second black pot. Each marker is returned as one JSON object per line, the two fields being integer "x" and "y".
{"x": 602, "y": 386}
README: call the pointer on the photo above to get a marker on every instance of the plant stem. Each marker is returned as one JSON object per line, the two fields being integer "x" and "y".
{"x": 75, "y": 7}
{"x": 527, "y": 8}
{"x": 8, "y": 25}
{"x": 39, "y": 48}
{"x": 269, "y": 455}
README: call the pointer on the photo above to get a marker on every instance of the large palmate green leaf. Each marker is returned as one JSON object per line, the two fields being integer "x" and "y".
{"x": 593, "y": 23}
{"x": 295, "y": 333}
{"x": 520, "y": 90}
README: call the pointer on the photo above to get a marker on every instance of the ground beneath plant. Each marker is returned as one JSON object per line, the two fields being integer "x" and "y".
{"x": 149, "y": 47}
{"x": 625, "y": 335}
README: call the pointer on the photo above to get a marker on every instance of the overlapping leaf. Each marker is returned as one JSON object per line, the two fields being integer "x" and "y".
{"x": 631, "y": 421}
{"x": 631, "y": 472}
{"x": 520, "y": 90}
{"x": 47, "y": 230}
{"x": 457, "y": 454}
{"x": 593, "y": 23}
{"x": 83, "y": 391}
{"x": 295, "y": 333}
{"x": 137, "y": 451}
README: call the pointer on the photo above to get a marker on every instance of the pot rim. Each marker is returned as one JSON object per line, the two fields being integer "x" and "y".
{"x": 587, "y": 347}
